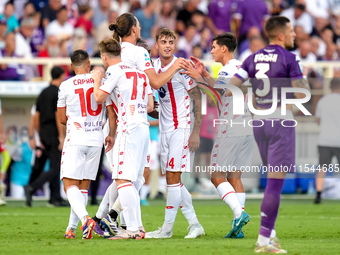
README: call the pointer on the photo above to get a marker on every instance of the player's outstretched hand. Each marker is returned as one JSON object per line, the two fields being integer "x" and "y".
{"x": 96, "y": 75}
{"x": 194, "y": 141}
{"x": 180, "y": 63}
{"x": 198, "y": 65}
{"x": 191, "y": 71}
{"x": 109, "y": 142}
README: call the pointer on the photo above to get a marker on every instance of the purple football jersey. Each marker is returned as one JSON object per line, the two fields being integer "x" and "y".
{"x": 268, "y": 68}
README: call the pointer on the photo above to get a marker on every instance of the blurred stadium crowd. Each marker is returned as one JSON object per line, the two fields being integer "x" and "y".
{"x": 55, "y": 28}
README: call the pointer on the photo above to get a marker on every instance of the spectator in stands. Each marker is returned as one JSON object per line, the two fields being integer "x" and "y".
{"x": 166, "y": 17}
{"x": 49, "y": 12}
{"x": 304, "y": 52}
{"x": 205, "y": 42}
{"x": 23, "y": 38}
{"x": 60, "y": 27}
{"x": 197, "y": 52}
{"x": 120, "y": 6}
{"x": 336, "y": 30}
{"x": 52, "y": 137}
{"x": 198, "y": 18}
{"x": 252, "y": 32}
{"x": 8, "y": 15}
{"x": 256, "y": 43}
{"x": 101, "y": 12}
{"x": 72, "y": 11}
{"x": 299, "y": 17}
{"x": 326, "y": 35}
{"x": 315, "y": 42}
{"x": 3, "y": 30}
{"x": 38, "y": 37}
{"x": 300, "y": 36}
{"x": 277, "y": 7}
{"x": 184, "y": 16}
{"x": 147, "y": 20}
{"x": 12, "y": 71}
{"x": 334, "y": 7}
{"x": 85, "y": 20}
{"x": 249, "y": 13}
{"x": 319, "y": 25}
{"x": 331, "y": 54}
{"x": 188, "y": 41}
{"x": 79, "y": 41}
{"x": 219, "y": 16}
{"x": 318, "y": 8}
{"x": 28, "y": 11}
{"x": 39, "y": 4}
{"x": 102, "y": 31}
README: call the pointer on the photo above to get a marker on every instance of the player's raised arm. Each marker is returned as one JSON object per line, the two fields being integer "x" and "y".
{"x": 194, "y": 140}
{"x": 158, "y": 80}
{"x": 99, "y": 95}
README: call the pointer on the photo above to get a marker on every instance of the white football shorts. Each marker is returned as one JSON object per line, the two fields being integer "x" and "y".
{"x": 80, "y": 162}
{"x": 175, "y": 153}
{"x": 232, "y": 152}
{"x": 130, "y": 153}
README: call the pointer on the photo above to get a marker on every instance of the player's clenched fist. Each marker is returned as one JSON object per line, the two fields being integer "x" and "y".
{"x": 194, "y": 141}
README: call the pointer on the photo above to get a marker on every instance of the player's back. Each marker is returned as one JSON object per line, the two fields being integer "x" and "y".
{"x": 84, "y": 115}
{"x": 129, "y": 89}
{"x": 135, "y": 56}
{"x": 271, "y": 67}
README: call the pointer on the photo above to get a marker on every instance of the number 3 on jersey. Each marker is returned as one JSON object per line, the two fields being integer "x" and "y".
{"x": 261, "y": 75}
{"x": 85, "y": 103}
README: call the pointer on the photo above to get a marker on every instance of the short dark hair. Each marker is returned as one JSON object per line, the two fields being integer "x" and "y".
{"x": 227, "y": 39}
{"x": 79, "y": 57}
{"x": 61, "y": 9}
{"x": 110, "y": 46}
{"x": 335, "y": 84}
{"x": 57, "y": 72}
{"x": 275, "y": 25}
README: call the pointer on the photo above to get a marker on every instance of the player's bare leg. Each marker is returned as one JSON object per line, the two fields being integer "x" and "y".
{"x": 319, "y": 181}
{"x": 145, "y": 189}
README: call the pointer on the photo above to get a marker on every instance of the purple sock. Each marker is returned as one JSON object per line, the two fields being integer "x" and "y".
{"x": 270, "y": 205}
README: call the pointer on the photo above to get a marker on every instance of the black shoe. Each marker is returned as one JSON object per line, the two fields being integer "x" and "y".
{"x": 28, "y": 193}
{"x": 94, "y": 202}
{"x": 159, "y": 195}
{"x": 317, "y": 200}
{"x": 57, "y": 203}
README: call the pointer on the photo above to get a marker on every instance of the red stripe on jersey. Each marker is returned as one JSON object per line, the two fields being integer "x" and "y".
{"x": 227, "y": 194}
{"x": 105, "y": 91}
{"x": 169, "y": 207}
{"x": 84, "y": 192}
{"x": 173, "y": 104}
{"x": 114, "y": 107}
{"x": 61, "y": 107}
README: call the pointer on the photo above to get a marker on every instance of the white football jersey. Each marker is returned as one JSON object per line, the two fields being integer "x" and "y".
{"x": 84, "y": 116}
{"x": 129, "y": 90}
{"x": 175, "y": 102}
{"x": 237, "y": 125}
{"x": 135, "y": 56}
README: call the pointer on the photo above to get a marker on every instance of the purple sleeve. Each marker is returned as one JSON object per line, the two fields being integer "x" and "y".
{"x": 239, "y": 9}
{"x": 295, "y": 68}
{"x": 265, "y": 10}
{"x": 211, "y": 10}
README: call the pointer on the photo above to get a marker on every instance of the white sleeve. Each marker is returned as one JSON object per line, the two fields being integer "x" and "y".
{"x": 150, "y": 90}
{"x": 61, "y": 96}
{"x": 318, "y": 110}
{"x": 111, "y": 80}
{"x": 108, "y": 101}
{"x": 188, "y": 82}
{"x": 143, "y": 61}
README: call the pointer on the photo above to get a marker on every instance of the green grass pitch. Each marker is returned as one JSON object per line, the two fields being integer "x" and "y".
{"x": 303, "y": 228}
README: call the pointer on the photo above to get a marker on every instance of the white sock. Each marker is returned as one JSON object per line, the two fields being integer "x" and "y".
{"x": 103, "y": 208}
{"x": 273, "y": 233}
{"x": 129, "y": 202}
{"x": 85, "y": 194}
{"x": 227, "y": 193}
{"x": 73, "y": 221}
{"x": 241, "y": 197}
{"x": 144, "y": 191}
{"x": 162, "y": 184}
{"x": 172, "y": 203}
{"x": 113, "y": 193}
{"x": 262, "y": 240}
{"x": 187, "y": 207}
{"x": 77, "y": 202}
{"x": 138, "y": 210}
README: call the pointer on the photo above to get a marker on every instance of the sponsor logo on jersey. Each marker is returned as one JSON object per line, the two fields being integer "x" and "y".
{"x": 77, "y": 125}
{"x": 162, "y": 92}
{"x": 132, "y": 109}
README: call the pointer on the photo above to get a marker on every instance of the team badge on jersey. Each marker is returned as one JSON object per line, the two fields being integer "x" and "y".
{"x": 77, "y": 125}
